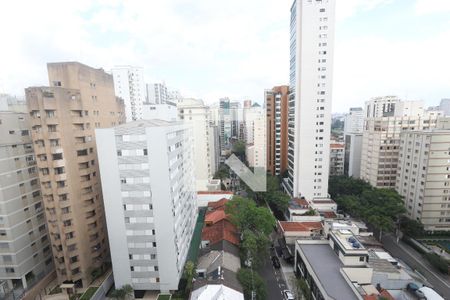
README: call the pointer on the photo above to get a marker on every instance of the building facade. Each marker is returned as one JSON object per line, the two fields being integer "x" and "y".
{"x": 381, "y": 106}
{"x": 353, "y": 130}
{"x": 129, "y": 85}
{"x": 309, "y": 120}
{"x": 381, "y": 143}
{"x": 225, "y": 124}
{"x": 25, "y": 250}
{"x": 156, "y": 93}
{"x": 195, "y": 113}
{"x": 277, "y": 129}
{"x": 424, "y": 177}
{"x": 337, "y": 152}
{"x": 150, "y": 201}
{"x": 63, "y": 119}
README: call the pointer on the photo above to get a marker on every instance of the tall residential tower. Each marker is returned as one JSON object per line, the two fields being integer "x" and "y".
{"x": 130, "y": 86}
{"x": 63, "y": 118}
{"x": 311, "y": 71}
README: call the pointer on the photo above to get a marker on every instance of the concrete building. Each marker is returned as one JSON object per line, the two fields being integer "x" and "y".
{"x": 167, "y": 111}
{"x": 195, "y": 113}
{"x": 327, "y": 264}
{"x": 354, "y": 121}
{"x": 25, "y": 251}
{"x": 129, "y": 85}
{"x": 381, "y": 107}
{"x": 309, "y": 119}
{"x": 156, "y": 93}
{"x": 409, "y": 108}
{"x": 352, "y": 154}
{"x": 225, "y": 124}
{"x": 256, "y": 152}
{"x": 337, "y": 154}
{"x": 63, "y": 119}
{"x": 277, "y": 129}
{"x": 150, "y": 201}
{"x": 381, "y": 143}
{"x": 423, "y": 176}
{"x": 445, "y": 106}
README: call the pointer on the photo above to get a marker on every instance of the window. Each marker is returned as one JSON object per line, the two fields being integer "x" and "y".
{"x": 57, "y": 156}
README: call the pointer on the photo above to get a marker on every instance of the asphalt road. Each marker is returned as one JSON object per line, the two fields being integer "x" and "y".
{"x": 274, "y": 280}
{"x": 440, "y": 283}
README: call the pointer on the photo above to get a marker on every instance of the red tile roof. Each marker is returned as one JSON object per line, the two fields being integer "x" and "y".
{"x": 301, "y": 202}
{"x": 215, "y": 192}
{"x": 222, "y": 230}
{"x": 318, "y": 201}
{"x": 329, "y": 215}
{"x": 387, "y": 295}
{"x": 337, "y": 146}
{"x": 214, "y": 205}
{"x": 300, "y": 226}
{"x": 215, "y": 216}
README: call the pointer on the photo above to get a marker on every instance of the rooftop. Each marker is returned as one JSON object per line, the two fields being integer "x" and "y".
{"x": 326, "y": 265}
{"x": 213, "y": 259}
{"x": 347, "y": 239}
{"x": 337, "y": 146}
{"x": 147, "y": 123}
{"x": 222, "y": 230}
{"x": 298, "y": 203}
{"x": 215, "y": 192}
{"x": 300, "y": 226}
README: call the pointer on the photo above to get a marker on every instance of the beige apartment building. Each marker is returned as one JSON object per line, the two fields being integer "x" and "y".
{"x": 277, "y": 129}
{"x": 423, "y": 176}
{"x": 381, "y": 142}
{"x": 64, "y": 117}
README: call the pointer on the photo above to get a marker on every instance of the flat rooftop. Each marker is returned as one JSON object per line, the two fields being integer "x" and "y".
{"x": 348, "y": 240}
{"x": 326, "y": 265}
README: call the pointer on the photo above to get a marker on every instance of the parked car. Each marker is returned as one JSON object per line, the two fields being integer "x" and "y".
{"x": 412, "y": 287}
{"x": 287, "y": 294}
{"x": 276, "y": 262}
{"x": 428, "y": 294}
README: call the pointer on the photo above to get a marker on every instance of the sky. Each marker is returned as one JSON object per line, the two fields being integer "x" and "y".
{"x": 210, "y": 49}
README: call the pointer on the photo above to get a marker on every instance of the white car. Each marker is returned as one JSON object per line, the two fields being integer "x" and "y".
{"x": 288, "y": 295}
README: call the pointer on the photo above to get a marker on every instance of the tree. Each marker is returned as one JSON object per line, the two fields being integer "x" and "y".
{"x": 279, "y": 200}
{"x": 189, "y": 271}
{"x": 223, "y": 172}
{"x": 382, "y": 223}
{"x": 410, "y": 227}
{"x": 122, "y": 293}
{"x": 251, "y": 281}
{"x": 245, "y": 215}
{"x": 239, "y": 149}
{"x": 254, "y": 246}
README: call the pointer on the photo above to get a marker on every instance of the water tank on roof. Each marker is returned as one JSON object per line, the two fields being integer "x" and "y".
{"x": 352, "y": 239}
{"x": 356, "y": 245}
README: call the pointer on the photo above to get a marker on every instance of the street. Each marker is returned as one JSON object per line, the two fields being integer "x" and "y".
{"x": 439, "y": 281}
{"x": 274, "y": 280}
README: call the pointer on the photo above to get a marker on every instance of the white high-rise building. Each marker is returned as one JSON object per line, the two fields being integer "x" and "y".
{"x": 129, "y": 85}
{"x": 311, "y": 71}
{"x": 195, "y": 113}
{"x": 250, "y": 115}
{"x": 147, "y": 173}
{"x": 156, "y": 93}
{"x": 381, "y": 106}
{"x": 445, "y": 106}
{"x": 353, "y": 130}
{"x": 26, "y": 255}
{"x": 354, "y": 121}
{"x": 423, "y": 175}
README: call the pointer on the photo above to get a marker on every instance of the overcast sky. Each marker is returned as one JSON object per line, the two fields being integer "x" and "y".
{"x": 210, "y": 49}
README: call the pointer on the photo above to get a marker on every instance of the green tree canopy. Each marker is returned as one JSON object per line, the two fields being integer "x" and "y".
{"x": 251, "y": 281}
{"x": 246, "y": 215}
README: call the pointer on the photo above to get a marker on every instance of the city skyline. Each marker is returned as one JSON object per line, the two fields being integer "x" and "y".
{"x": 219, "y": 46}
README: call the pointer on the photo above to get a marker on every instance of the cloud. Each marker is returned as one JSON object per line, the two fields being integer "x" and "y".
{"x": 424, "y": 7}
{"x": 375, "y": 65}
{"x": 349, "y": 8}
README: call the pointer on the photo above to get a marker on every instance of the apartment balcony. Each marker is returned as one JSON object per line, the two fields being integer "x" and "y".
{"x": 37, "y": 135}
{"x": 59, "y": 177}
{"x": 85, "y": 184}
{"x": 63, "y": 190}
{"x": 49, "y": 104}
{"x": 52, "y": 120}
{"x": 59, "y": 163}
{"x": 76, "y": 104}
{"x": 85, "y": 171}
{"x": 78, "y": 120}
{"x": 35, "y": 121}
{"x": 54, "y": 135}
